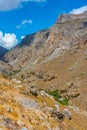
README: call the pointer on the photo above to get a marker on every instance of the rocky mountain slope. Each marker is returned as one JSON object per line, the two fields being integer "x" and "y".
{"x": 69, "y": 30}
{"x": 53, "y": 61}
{"x": 55, "y": 58}
{"x": 3, "y": 51}
{"x": 4, "y": 67}
{"x": 22, "y": 110}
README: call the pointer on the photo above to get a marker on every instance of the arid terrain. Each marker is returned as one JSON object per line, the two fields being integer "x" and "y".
{"x": 43, "y": 76}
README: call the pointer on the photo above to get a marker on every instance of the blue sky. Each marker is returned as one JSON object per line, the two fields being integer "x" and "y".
{"x": 21, "y": 17}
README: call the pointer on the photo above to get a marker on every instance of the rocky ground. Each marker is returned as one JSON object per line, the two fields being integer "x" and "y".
{"x": 21, "y": 110}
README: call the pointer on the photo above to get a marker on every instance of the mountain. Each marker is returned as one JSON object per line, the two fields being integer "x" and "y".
{"x": 3, "y": 51}
{"x": 68, "y": 31}
{"x": 4, "y": 67}
{"x": 53, "y": 61}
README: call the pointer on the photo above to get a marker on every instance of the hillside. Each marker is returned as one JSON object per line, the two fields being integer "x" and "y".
{"x": 54, "y": 61}
{"x": 21, "y": 110}
{"x": 3, "y": 51}
{"x": 4, "y": 67}
{"x": 55, "y": 57}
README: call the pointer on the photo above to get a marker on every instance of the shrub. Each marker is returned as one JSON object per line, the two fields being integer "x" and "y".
{"x": 58, "y": 97}
{"x": 64, "y": 101}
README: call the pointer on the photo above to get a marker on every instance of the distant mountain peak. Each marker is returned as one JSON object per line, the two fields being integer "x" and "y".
{"x": 3, "y": 51}
{"x": 85, "y": 12}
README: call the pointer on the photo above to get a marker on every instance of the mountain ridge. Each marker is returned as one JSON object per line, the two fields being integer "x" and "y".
{"x": 60, "y": 30}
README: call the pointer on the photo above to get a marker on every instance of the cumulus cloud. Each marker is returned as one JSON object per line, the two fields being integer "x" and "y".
{"x": 24, "y": 23}
{"x": 8, "y": 40}
{"x": 79, "y": 10}
{"x": 6, "y": 5}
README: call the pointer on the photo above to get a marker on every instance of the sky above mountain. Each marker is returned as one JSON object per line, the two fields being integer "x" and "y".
{"x": 21, "y": 17}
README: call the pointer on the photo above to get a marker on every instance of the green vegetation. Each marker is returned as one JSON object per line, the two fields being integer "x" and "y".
{"x": 64, "y": 101}
{"x": 57, "y": 96}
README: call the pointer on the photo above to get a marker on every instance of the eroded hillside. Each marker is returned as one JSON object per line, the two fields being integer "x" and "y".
{"x": 21, "y": 110}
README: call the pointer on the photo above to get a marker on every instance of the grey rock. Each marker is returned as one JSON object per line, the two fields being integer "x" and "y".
{"x": 67, "y": 113}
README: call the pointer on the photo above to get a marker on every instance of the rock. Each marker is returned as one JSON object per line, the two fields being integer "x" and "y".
{"x": 67, "y": 114}
{"x": 34, "y": 91}
{"x": 43, "y": 93}
{"x": 71, "y": 68}
{"x": 58, "y": 115}
{"x": 27, "y": 103}
{"x": 16, "y": 81}
{"x": 71, "y": 85}
{"x": 24, "y": 128}
{"x": 20, "y": 122}
{"x": 57, "y": 107}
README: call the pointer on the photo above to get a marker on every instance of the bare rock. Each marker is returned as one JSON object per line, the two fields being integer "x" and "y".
{"x": 67, "y": 113}
{"x": 34, "y": 91}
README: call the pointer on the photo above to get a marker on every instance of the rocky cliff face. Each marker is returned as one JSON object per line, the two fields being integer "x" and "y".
{"x": 71, "y": 17}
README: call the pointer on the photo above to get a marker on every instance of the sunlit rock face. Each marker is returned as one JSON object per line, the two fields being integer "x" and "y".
{"x": 68, "y": 31}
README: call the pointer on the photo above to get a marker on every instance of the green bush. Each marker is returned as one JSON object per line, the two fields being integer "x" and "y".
{"x": 64, "y": 101}
{"x": 54, "y": 93}
{"x": 58, "y": 97}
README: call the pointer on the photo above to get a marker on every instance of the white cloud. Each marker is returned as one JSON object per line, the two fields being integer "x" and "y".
{"x": 79, "y": 10}
{"x": 6, "y": 5}
{"x": 22, "y": 37}
{"x": 24, "y": 23}
{"x": 8, "y": 40}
